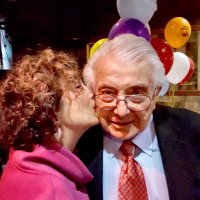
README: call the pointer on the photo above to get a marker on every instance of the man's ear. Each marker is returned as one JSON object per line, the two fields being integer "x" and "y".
{"x": 158, "y": 89}
{"x": 156, "y": 94}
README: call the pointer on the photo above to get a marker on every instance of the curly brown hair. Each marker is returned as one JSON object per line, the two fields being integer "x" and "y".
{"x": 30, "y": 97}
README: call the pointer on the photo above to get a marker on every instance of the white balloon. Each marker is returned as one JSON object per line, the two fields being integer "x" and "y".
{"x": 179, "y": 69}
{"x": 149, "y": 28}
{"x": 164, "y": 88}
{"x": 142, "y": 10}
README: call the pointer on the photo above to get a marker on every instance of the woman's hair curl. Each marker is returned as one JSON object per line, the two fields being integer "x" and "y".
{"x": 30, "y": 96}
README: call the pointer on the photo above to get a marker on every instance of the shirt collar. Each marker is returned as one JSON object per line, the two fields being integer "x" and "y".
{"x": 146, "y": 141}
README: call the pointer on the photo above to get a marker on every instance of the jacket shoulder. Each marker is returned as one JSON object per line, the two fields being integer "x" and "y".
{"x": 177, "y": 120}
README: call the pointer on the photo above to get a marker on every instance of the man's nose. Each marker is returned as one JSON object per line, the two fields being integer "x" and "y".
{"x": 121, "y": 109}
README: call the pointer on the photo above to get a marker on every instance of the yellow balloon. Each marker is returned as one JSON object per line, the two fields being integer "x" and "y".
{"x": 97, "y": 45}
{"x": 177, "y": 32}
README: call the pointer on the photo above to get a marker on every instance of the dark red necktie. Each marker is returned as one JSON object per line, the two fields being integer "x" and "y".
{"x": 131, "y": 184}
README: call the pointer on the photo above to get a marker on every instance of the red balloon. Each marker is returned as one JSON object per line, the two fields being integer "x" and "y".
{"x": 164, "y": 51}
{"x": 189, "y": 74}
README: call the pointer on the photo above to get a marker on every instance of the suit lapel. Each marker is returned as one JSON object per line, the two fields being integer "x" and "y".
{"x": 95, "y": 188}
{"x": 174, "y": 155}
{"x": 91, "y": 153}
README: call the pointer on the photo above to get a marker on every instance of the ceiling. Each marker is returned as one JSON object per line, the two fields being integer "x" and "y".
{"x": 76, "y": 22}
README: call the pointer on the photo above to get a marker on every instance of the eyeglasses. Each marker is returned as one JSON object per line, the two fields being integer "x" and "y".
{"x": 137, "y": 102}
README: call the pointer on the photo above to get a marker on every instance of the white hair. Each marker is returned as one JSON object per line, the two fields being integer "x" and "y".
{"x": 129, "y": 49}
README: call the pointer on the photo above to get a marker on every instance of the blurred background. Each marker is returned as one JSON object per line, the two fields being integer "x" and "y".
{"x": 71, "y": 24}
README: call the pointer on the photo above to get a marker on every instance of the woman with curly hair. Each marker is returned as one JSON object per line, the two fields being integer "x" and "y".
{"x": 44, "y": 110}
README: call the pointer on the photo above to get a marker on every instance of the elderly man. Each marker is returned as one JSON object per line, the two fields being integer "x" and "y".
{"x": 141, "y": 151}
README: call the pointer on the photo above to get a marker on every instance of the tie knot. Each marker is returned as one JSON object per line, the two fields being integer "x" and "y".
{"x": 127, "y": 148}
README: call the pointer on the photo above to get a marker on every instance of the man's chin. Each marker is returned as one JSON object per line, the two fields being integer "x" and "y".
{"x": 122, "y": 134}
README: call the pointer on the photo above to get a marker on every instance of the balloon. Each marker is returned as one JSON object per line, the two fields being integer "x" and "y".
{"x": 142, "y": 10}
{"x": 177, "y": 32}
{"x": 133, "y": 26}
{"x": 191, "y": 71}
{"x": 164, "y": 88}
{"x": 179, "y": 69}
{"x": 164, "y": 51}
{"x": 97, "y": 45}
{"x": 149, "y": 28}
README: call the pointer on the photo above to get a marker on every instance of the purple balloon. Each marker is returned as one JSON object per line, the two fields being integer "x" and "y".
{"x": 129, "y": 25}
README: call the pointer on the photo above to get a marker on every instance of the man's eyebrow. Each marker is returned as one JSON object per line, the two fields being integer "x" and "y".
{"x": 104, "y": 86}
{"x": 139, "y": 87}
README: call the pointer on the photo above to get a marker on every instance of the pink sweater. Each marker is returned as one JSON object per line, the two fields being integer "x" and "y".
{"x": 44, "y": 175}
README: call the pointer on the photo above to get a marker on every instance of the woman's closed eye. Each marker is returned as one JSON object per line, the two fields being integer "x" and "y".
{"x": 78, "y": 86}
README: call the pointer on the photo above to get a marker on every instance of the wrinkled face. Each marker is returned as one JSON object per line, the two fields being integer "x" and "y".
{"x": 113, "y": 77}
{"x": 78, "y": 114}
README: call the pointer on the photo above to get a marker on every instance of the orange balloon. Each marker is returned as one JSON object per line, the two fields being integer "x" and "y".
{"x": 177, "y": 32}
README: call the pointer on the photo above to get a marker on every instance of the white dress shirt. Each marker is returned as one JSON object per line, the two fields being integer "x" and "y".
{"x": 149, "y": 159}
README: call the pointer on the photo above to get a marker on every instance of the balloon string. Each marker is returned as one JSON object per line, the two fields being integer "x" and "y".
{"x": 172, "y": 97}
